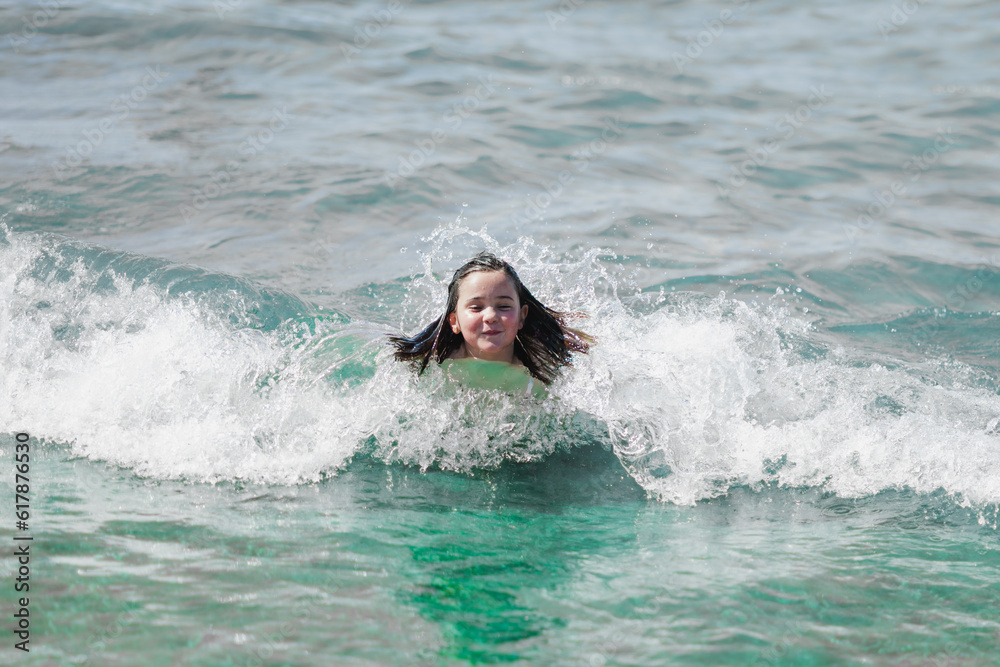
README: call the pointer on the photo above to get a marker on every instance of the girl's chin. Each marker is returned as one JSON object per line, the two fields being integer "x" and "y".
{"x": 492, "y": 346}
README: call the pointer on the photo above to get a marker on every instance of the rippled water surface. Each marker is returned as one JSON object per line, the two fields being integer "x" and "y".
{"x": 779, "y": 219}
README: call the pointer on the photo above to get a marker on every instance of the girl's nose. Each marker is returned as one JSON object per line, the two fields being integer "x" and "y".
{"x": 489, "y": 314}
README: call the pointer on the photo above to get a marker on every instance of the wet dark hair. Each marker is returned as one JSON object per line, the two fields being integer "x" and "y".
{"x": 544, "y": 344}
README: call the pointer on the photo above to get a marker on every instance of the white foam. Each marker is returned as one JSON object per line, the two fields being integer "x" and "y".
{"x": 160, "y": 385}
{"x": 706, "y": 394}
{"x": 694, "y": 394}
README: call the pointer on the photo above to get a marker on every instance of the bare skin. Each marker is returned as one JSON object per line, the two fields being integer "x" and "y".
{"x": 488, "y": 317}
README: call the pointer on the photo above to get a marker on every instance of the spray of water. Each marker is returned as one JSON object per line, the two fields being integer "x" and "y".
{"x": 694, "y": 394}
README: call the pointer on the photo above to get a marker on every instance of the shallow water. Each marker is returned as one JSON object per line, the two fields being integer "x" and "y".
{"x": 778, "y": 218}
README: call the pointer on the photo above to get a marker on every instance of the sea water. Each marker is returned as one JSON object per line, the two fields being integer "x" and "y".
{"x": 778, "y": 220}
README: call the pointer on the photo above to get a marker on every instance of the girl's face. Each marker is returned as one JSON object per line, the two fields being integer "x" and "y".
{"x": 488, "y": 315}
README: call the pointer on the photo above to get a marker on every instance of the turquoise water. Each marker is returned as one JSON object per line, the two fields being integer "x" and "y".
{"x": 779, "y": 219}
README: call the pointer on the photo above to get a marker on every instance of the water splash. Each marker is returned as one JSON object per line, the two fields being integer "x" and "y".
{"x": 178, "y": 373}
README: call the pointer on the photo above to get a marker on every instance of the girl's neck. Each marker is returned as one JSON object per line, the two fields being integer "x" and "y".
{"x": 463, "y": 353}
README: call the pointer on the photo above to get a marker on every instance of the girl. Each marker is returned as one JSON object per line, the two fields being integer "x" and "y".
{"x": 492, "y": 317}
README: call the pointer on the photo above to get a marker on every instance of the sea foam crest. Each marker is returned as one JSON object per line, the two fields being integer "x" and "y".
{"x": 706, "y": 394}
{"x": 168, "y": 386}
{"x": 694, "y": 394}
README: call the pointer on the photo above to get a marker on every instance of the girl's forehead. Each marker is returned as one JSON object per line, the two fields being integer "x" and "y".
{"x": 487, "y": 283}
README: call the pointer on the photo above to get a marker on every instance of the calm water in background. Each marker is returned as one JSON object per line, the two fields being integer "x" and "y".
{"x": 780, "y": 218}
